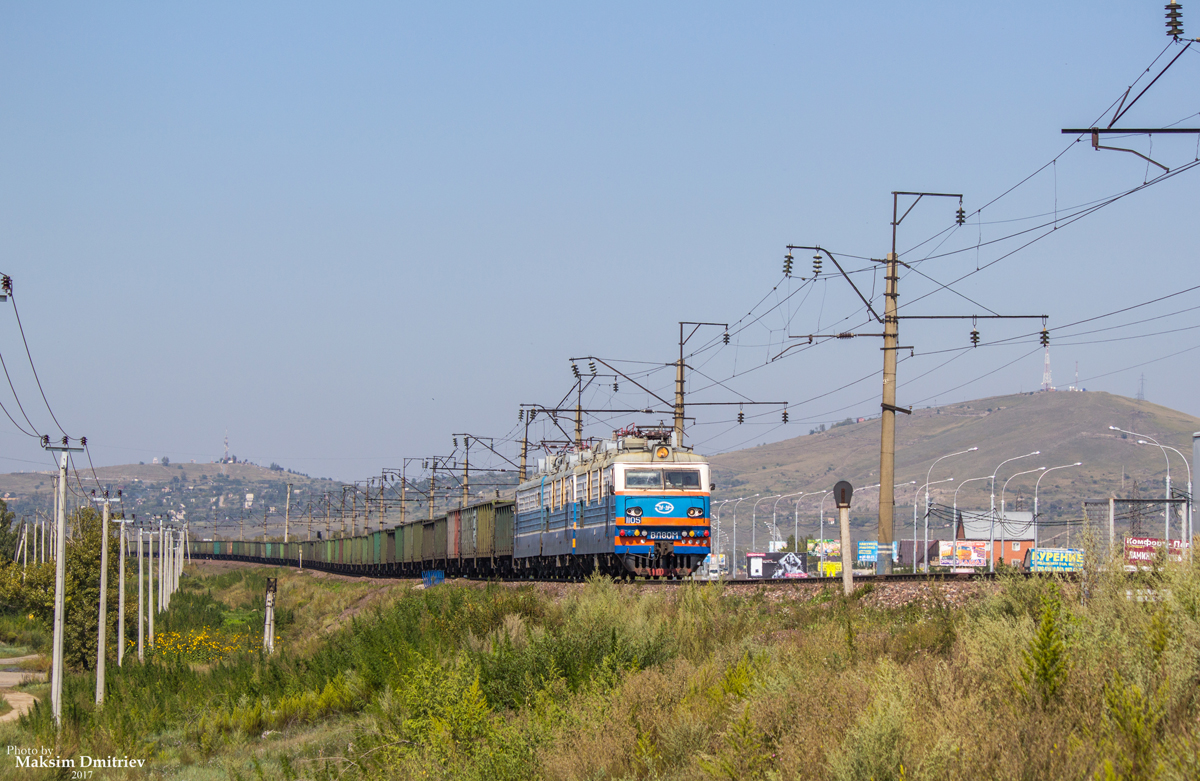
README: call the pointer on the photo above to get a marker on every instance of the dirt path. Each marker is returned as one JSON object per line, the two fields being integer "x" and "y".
{"x": 21, "y": 702}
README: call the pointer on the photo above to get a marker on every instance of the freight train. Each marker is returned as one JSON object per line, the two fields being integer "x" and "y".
{"x": 634, "y": 505}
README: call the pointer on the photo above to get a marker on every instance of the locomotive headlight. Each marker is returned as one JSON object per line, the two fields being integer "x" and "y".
{"x": 634, "y": 512}
{"x": 695, "y": 512}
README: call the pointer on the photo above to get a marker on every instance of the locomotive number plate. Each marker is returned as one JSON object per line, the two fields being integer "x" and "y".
{"x": 663, "y": 535}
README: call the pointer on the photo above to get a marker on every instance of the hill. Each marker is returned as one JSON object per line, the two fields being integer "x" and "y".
{"x": 199, "y": 492}
{"x": 1066, "y": 427}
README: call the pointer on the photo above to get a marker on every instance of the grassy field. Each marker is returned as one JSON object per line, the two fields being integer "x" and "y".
{"x": 1020, "y": 679}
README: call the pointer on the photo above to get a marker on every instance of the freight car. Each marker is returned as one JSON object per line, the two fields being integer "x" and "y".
{"x": 634, "y": 505}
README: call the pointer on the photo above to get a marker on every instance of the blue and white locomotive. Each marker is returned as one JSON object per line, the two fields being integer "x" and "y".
{"x": 636, "y": 504}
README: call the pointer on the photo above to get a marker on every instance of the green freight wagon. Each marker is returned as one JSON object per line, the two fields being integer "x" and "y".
{"x": 439, "y": 538}
{"x": 504, "y": 529}
{"x": 427, "y": 542}
{"x": 467, "y": 532}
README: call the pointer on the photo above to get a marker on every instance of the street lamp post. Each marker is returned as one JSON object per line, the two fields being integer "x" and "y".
{"x": 823, "y": 498}
{"x": 774, "y": 524}
{"x": 1185, "y": 534}
{"x": 1035, "y": 496}
{"x": 718, "y": 530}
{"x": 1167, "y": 508}
{"x": 928, "y": 475}
{"x": 992, "y": 535}
{"x": 735, "y": 506}
{"x": 925, "y": 555}
{"x": 1004, "y": 514}
{"x": 754, "y": 520}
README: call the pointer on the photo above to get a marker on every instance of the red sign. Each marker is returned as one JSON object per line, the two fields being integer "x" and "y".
{"x": 1141, "y": 551}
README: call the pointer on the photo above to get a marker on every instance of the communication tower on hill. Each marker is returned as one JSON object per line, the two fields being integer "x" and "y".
{"x": 1047, "y": 385}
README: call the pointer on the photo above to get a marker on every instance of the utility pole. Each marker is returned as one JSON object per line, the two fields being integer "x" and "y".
{"x": 466, "y": 493}
{"x": 432, "y": 487}
{"x": 287, "y": 512}
{"x": 521, "y": 416}
{"x": 150, "y": 585}
{"x": 162, "y": 560}
{"x": 56, "y": 665}
{"x": 101, "y": 627}
{"x": 141, "y": 617}
{"x": 366, "y": 506}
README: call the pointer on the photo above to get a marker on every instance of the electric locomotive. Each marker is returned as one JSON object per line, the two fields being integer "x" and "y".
{"x": 633, "y": 505}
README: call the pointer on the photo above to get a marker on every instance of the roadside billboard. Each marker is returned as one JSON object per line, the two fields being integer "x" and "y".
{"x": 868, "y": 550}
{"x": 1055, "y": 560}
{"x": 829, "y": 549}
{"x": 769, "y": 566}
{"x": 831, "y": 569}
{"x": 1141, "y": 551}
{"x": 962, "y": 553}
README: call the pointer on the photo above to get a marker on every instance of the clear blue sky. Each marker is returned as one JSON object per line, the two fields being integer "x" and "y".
{"x": 343, "y": 232}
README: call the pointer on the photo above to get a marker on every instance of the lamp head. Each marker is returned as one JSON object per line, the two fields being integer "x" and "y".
{"x": 972, "y": 450}
{"x": 1113, "y": 428}
{"x": 1142, "y": 442}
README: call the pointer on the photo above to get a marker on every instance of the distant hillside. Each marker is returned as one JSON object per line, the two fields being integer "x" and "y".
{"x": 230, "y": 497}
{"x": 1065, "y": 427}
{"x": 199, "y": 492}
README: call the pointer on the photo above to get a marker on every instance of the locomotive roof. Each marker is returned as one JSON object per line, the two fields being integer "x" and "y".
{"x": 622, "y": 450}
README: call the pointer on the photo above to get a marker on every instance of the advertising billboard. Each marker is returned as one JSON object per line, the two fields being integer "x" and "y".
{"x": 1055, "y": 560}
{"x": 962, "y": 553}
{"x": 868, "y": 550}
{"x": 1141, "y": 551}
{"x": 769, "y": 566}
{"x": 829, "y": 549}
{"x": 831, "y": 569}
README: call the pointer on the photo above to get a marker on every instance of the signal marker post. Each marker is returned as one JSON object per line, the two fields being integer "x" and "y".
{"x": 842, "y": 493}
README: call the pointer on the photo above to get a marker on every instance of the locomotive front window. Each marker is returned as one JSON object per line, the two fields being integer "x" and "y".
{"x": 683, "y": 478}
{"x": 643, "y": 478}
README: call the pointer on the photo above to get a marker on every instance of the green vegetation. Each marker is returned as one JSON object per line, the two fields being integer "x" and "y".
{"x": 1033, "y": 678}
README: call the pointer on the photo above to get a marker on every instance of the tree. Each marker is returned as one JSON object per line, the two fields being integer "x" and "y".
{"x": 82, "y": 598}
{"x": 10, "y": 533}
{"x": 165, "y": 461}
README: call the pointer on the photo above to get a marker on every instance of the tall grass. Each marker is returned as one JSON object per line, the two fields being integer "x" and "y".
{"x": 1097, "y": 678}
